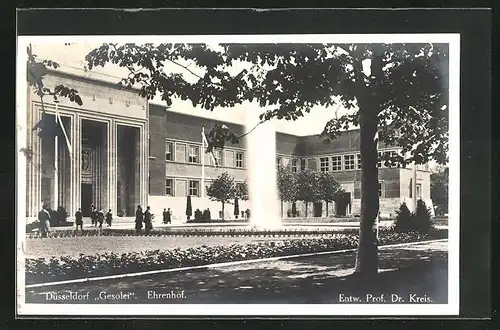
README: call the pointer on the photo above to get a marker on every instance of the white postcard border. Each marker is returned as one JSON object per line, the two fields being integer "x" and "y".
{"x": 452, "y": 308}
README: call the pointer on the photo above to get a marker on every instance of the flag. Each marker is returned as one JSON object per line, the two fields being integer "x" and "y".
{"x": 205, "y": 145}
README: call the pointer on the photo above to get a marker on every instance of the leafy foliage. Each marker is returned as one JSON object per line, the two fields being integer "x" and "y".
{"x": 287, "y": 184}
{"x": 403, "y": 96}
{"x": 420, "y": 221}
{"x": 36, "y": 72}
{"x": 422, "y": 218}
{"x": 330, "y": 188}
{"x": 222, "y": 189}
{"x": 242, "y": 191}
{"x": 409, "y": 80}
{"x": 403, "y": 219}
{"x": 439, "y": 191}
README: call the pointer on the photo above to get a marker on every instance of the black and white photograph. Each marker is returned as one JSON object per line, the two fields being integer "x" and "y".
{"x": 313, "y": 174}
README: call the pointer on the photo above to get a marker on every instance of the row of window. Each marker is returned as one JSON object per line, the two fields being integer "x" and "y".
{"x": 193, "y": 187}
{"x": 232, "y": 159}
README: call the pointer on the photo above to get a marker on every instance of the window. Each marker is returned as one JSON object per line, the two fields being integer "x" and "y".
{"x": 193, "y": 154}
{"x": 218, "y": 157}
{"x": 390, "y": 154}
{"x": 419, "y": 190}
{"x": 336, "y": 163}
{"x": 302, "y": 164}
{"x": 358, "y": 156}
{"x": 229, "y": 158}
{"x": 380, "y": 189}
{"x": 348, "y": 162}
{"x": 169, "y": 148}
{"x": 168, "y": 187}
{"x": 323, "y": 164}
{"x": 379, "y": 162}
{"x": 295, "y": 165}
{"x": 194, "y": 188}
{"x": 180, "y": 152}
{"x": 278, "y": 162}
{"x": 239, "y": 159}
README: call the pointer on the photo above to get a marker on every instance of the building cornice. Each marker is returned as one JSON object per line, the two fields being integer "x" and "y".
{"x": 92, "y": 80}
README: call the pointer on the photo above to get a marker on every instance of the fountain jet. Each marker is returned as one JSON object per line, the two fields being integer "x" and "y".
{"x": 262, "y": 186}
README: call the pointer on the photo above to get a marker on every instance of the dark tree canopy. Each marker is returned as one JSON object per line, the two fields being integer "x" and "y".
{"x": 407, "y": 87}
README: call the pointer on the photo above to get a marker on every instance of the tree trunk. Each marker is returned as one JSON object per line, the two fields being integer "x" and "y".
{"x": 327, "y": 209}
{"x": 222, "y": 210}
{"x": 367, "y": 253}
{"x": 306, "y": 210}
{"x": 282, "y": 215}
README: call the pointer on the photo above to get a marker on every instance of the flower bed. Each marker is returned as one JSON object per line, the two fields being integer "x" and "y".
{"x": 197, "y": 232}
{"x": 41, "y": 270}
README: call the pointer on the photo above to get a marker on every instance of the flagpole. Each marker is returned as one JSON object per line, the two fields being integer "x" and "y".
{"x": 56, "y": 161}
{"x": 378, "y": 211}
{"x": 202, "y": 161}
{"x": 414, "y": 188}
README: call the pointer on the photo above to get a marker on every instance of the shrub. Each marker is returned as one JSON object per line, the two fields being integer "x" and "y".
{"x": 422, "y": 221}
{"x": 403, "y": 219}
{"x": 207, "y": 217}
{"x": 198, "y": 216}
{"x": 189, "y": 208}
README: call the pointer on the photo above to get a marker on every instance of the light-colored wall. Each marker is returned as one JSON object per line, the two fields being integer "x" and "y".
{"x": 178, "y": 207}
{"x": 101, "y": 98}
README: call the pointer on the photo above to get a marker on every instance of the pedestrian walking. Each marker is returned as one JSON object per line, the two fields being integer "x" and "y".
{"x": 93, "y": 215}
{"x": 79, "y": 219}
{"x": 109, "y": 218}
{"x": 100, "y": 217}
{"x": 167, "y": 216}
{"x": 139, "y": 216}
{"x": 44, "y": 219}
{"x": 148, "y": 219}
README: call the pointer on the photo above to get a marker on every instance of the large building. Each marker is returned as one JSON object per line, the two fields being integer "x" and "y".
{"x": 127, "y": 151}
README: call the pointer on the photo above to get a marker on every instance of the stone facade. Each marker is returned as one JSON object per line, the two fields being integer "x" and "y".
{"x": 159, "y": 161}
{"x": 181, "y": 132}
{"x": 104, "y": 104}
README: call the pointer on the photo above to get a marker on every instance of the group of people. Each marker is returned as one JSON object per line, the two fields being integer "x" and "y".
{"x": 97, "y": 217}
{"x": 146, "y": 217}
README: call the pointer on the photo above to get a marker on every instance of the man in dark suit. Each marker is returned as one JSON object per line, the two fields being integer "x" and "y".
{"x": 139, "y": 216}
{"x": 44, "y": 219}
{"x": 109, "y": 218}
{"x": 79, "y": 219}
{"x": 167, "y": 216}
{"x": 148, "y": 219}
{"x": 93, "y": 215}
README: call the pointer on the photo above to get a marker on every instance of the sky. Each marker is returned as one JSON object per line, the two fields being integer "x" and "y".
{"x": 72, "y": 60}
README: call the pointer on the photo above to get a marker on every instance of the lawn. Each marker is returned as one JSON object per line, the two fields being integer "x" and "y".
{"x": 74, "y": 246}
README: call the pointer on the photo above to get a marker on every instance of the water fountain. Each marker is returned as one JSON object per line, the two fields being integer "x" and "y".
{"x": 263, "y": 190}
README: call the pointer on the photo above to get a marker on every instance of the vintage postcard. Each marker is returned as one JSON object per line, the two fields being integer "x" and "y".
{"x": 238, "y": 175}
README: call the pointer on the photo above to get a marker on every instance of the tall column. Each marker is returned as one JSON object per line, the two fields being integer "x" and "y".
{"x": 112, "y": 166}
{"x": 76, "y": 163}
{"x": 36, "y": 177}
{"x": 144, "y": 166}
